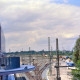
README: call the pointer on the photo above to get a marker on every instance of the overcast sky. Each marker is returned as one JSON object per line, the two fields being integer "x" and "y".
{"x": 29, "y": 23}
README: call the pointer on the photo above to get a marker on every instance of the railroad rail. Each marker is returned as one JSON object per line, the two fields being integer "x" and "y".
{"x": 38, "y": 73}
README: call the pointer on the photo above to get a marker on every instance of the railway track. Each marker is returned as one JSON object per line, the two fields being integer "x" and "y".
{"x": 40, "y": 63}
{"x": 38, "y": 73}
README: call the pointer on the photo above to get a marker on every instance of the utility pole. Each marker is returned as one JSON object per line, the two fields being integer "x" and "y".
{"x": 22, "y": 49}
{"x": 50, "y": 68}
{"x": 29, "y": 56}
{"x": 57, "y": 65}
{"x": 29, "y": 49}
{"x": 57, "y": 68}
{"x": 9, "y": 50}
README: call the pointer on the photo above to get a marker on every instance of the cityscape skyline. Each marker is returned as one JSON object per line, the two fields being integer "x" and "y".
{"x": 30, "y": 23}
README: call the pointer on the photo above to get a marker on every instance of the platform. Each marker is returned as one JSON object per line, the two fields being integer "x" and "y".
{"x": 23, "y": 68}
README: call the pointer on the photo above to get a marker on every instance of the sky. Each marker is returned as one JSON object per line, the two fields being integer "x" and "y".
{"x": 29, "y": 23}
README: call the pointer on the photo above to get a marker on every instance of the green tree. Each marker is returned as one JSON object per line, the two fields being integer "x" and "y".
{"x": 76, "y": 60}
{"x": 76, "y": 53}
{"x": 76, "y": 72}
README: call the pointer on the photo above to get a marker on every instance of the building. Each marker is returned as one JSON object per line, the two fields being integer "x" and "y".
{"x": 10, "y": 65}
{"x": 2, "y": 40}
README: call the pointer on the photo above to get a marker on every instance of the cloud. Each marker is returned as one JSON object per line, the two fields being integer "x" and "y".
{"x": 65, "y": 1}
{"x": 28, "y": 23}
{"x": 60, "y": 1}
